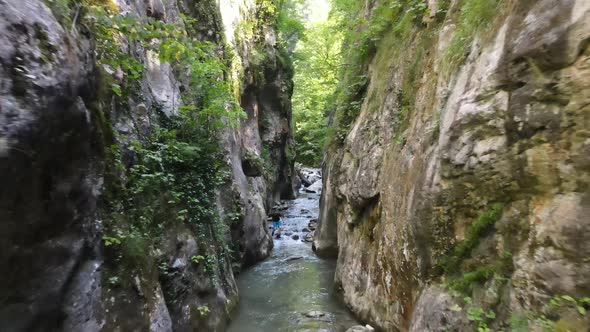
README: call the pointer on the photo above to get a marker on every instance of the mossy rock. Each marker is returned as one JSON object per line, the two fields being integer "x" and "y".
{"x": 252, "y": 164}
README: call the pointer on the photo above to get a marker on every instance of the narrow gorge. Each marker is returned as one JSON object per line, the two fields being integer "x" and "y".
{"x": 429, "y": 161}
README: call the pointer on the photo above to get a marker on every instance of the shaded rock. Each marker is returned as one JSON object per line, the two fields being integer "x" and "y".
{"x": 295, "y": 237}
{"x": 294, "y": 258}
{"x": 252, "y": 165}
{"x": 433, "y": 312}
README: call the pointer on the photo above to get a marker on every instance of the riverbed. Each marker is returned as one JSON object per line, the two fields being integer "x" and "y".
{"x": 281, "y": 292}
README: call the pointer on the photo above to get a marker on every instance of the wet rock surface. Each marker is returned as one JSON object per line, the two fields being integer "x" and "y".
{"x": 308, "y": 176}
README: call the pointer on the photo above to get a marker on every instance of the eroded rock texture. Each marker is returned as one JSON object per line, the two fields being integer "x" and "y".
{"x": 50, "y": 176}
{"x": 57, "y": 273}
{"x": 506, "y": 130}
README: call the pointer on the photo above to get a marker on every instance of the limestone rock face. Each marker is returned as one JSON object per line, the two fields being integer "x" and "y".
{"x": 508, "y": 126}
{"x": 58, "y": 273}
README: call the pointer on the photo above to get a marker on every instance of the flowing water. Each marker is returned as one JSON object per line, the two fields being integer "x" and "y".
{"x": 276, "y": 294}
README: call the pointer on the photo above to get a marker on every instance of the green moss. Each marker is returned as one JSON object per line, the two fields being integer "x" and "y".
{"x": 61, "y": 10}
{"x": 269, "y": 166}
{"x": 464, "y": 284}
{"x": 478, "y": 228}
{"x": 254, "y": 159}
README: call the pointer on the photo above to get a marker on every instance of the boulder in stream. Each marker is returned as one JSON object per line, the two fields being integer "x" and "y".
{"x": 294, "y": 258}
{"x": 315, "y": 314}
{"x": 360, "y": 328}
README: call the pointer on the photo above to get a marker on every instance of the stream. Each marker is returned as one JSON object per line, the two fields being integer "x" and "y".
{"x": 281, "y": 292}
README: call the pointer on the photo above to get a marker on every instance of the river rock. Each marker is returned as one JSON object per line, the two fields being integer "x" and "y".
{"x": 305, "y": 230}
{"x": 315, "y": 314}
{"x": 295, "y": 237}
{"x": 309, "y": 176}
{"x": 360, "y": 328}
{"x": 294, "y": 258}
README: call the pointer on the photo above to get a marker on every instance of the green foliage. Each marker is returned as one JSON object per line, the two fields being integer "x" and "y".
{"x": 475, "y": 17}
{"x": 500, "y": 268}
{"x": 480, "y": 317}
{"x": 518, "y": 323}
{"x": 551, "y": 317}
{"x": 198, "y": 62}
{"x": 61, "y": 10}
{"x": 197, "y": 259}
{"x": 581, "y": 305}
{"x": 391, "y": 25}
{"x": 203, "y": 310}
{"x": 267, "y": 162}
{"x": 466, "y": 281}
{"x": 172, "y": 181}
{"x": 255, "y": 160}
{"x": 290, "y": 21}
{"x": 168, "y": 177}
{"x": 317, "y": 60}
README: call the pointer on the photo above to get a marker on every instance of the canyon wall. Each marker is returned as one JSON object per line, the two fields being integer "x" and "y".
{"x": 465, "y": 173}
{"x": 81, "y": 248}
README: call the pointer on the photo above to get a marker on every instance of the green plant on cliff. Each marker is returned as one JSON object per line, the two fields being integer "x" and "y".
{"x": 475, "y": 16}
{"x": 465, "y": 283}
{"x": 476, "y": 230}
{"x": 389, "y": 25}
{"x": 562, "y": 313}
{"x": 203, "y": 310}
{"x": 200, "y": 64}
{"x": 175, "y": 169}
{"x": 172, "y": 181}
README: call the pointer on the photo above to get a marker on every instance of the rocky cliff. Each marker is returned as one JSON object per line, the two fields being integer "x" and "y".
{"x": 125, "y": 206}
{"x": 464, "y": 172}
